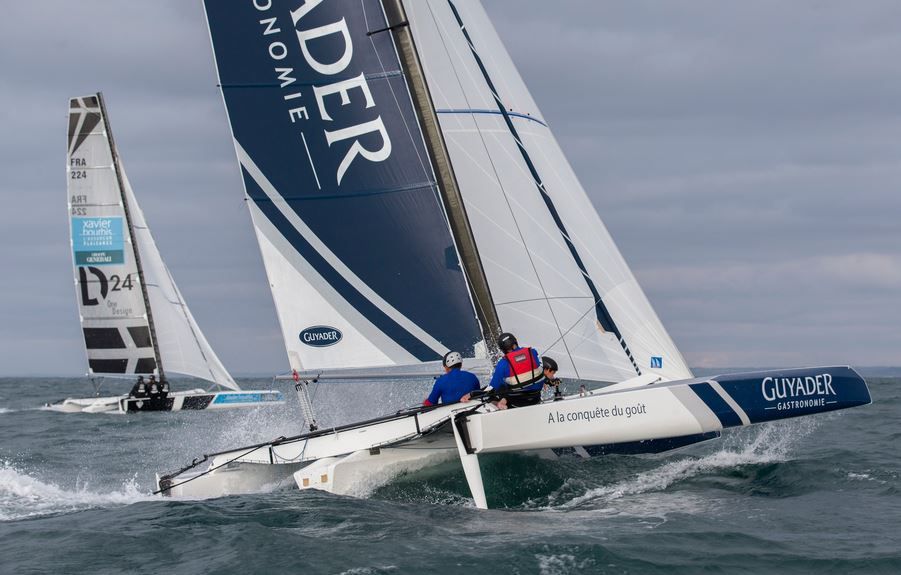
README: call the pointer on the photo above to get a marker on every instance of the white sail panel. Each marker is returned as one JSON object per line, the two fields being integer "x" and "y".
{"x": 182, "y": 346}
{"x": 556, "y": 276}
{"x": 303, "y": 299}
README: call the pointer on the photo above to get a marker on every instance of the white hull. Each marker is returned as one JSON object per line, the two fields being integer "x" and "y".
{"x": 193, "y": 400}
{"x": 353, "y": 459}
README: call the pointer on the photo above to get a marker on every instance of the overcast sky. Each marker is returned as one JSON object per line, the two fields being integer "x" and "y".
{"x": 746, "y": 157}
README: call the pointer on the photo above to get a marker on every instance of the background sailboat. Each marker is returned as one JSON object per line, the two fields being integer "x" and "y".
{"x": 133, "y": 316}
{"x": 403, "y": 182}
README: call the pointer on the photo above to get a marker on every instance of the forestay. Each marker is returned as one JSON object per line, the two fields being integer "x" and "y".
{"x": 128, "y": 325}
{"x": 362, "y": 265}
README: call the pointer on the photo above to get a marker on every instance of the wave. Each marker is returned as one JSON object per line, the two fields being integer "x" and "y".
{"x": 7, "y": 410}
{"x": 767, "y": 444}
{"x": 24, "y": 496}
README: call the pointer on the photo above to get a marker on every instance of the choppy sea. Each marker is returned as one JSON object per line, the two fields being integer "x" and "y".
{"x": 814, "y": 495}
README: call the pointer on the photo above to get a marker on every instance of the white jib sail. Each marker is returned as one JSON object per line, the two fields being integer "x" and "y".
{"x": 118, "y": 336}
{"x": 543, "y": 253}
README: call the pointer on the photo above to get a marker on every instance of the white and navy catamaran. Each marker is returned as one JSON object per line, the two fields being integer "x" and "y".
{"x": 132, "y": 314}
{"x": 409, "y": 198}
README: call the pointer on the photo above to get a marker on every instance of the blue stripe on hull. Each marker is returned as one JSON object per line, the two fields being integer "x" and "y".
{"x": 640, "y": 447}
{"x": 726, "y": 415}
{"x": 226, "y": 398}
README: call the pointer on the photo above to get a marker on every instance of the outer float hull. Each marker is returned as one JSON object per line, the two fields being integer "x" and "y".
{"x": 193, "y": 400}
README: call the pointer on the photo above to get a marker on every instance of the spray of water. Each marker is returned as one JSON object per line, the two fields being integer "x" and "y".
{"x": 22, "y": 495}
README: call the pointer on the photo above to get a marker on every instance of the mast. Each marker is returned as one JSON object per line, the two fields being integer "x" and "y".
{"x": 117, "y": 168}
{"x": 441, "y": 165}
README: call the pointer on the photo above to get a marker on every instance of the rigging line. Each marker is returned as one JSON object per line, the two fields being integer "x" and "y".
{"x": 603, "y": 315}
{"x": 547, "y": 298}
{"x": 501, "y": 186}
{"x": 491, "y": 112}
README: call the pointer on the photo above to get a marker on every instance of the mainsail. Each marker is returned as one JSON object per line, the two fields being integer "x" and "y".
{"x": 351, "y": 225}
{"x": 385, "y": 143}
{"x": 131, "y": 311}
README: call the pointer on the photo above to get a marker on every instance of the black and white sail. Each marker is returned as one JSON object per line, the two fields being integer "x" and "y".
{"x": 134, "y": 319}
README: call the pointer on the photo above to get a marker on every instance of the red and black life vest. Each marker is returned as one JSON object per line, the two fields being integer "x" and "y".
{"x": 524, "y": 370}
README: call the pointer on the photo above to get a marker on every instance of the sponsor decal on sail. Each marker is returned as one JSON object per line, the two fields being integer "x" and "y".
{"x": 327, "y": 51}
{"x": 656, "y": 362}
{"x": 320, "y": 336}
{"x": 98, "y": 241}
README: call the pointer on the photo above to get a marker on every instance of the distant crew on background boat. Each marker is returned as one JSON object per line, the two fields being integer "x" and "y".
{"x": 139, "y": 389}
{"x": 455, "y": 385}
{"x": 518, "y": 377}
{"x": 153, "y": 388}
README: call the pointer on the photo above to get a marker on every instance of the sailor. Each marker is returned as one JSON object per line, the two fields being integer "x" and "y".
{"x": 455, "y": 385}
{"x": 139, "y": 389}
{"x": 153, "y": 388}
{"x": 518, "y": 377}
{"x": 164, "y": 388}
{"x": 550, "y": 377}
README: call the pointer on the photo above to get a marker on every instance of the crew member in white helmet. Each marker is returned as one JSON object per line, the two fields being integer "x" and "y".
{"x": 455, "y": 383}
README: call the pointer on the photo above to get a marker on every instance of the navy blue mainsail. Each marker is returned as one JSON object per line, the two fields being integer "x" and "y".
{"x": 342, "y": 192}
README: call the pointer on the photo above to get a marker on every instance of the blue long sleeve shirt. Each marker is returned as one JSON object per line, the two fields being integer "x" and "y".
{"x": 502, "y": 371}
{"x": 453, "y": 385}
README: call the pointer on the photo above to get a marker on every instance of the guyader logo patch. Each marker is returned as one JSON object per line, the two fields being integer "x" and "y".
{"x": 320, "y": 336}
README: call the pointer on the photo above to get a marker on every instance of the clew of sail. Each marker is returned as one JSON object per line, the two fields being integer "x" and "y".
{"x": 131, "y": 311}
{"x": 557, "y": 279}
{"x": 347, "y": 210}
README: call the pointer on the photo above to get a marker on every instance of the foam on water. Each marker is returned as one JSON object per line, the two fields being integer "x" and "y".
{"x": 770, "y": 443}
{"x": 24, "y": 496}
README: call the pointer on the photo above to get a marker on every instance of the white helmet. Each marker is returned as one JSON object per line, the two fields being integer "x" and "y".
{"x": 453, "y": 358}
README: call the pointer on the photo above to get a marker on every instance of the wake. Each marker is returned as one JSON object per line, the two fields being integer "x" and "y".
{"x": 771, "y": 443}
{"x": 23, "y": 496}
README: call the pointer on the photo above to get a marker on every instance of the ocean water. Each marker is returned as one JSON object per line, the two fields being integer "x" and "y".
{"x": 814, "y": 495}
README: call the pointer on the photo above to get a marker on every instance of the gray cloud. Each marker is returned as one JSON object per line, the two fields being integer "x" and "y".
{"x": 745, "y": 157}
